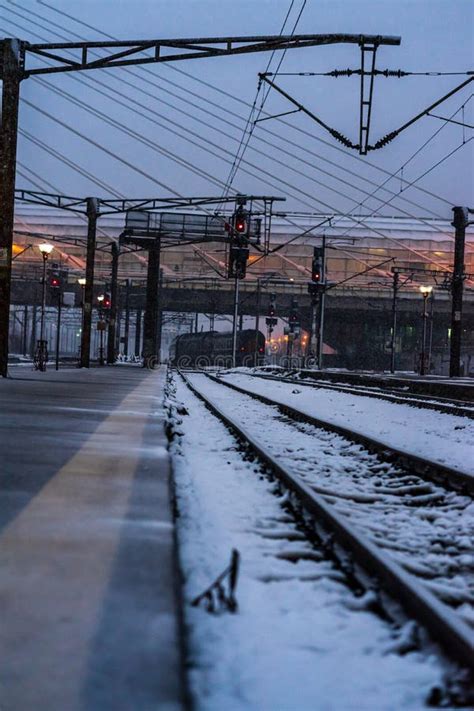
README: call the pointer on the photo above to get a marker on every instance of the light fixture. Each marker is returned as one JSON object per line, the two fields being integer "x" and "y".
{"x": 100, "y": 297}
{"x": 81, "y": 281}
{"x": 45, "y": 249}
{"x": 426, "y": 290}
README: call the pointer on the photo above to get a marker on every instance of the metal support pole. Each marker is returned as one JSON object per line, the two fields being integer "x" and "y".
{"x": 101, "y": 345}
{"x": 159, "y": 326}
{"x": 322, "y": 300}
{"x": 43, "y": 298}
{"x": 460, "y": 222}
{"x": 313, "y": 337}
{"x": 11, "y": 52}
{"x": 113, "y": 304}
{"x": 33, "y": 331}
{"x": 127, "y": 317}
{"x": 234, "y": 322}
{"x": 430, "y": 337}
{"x": 150, "y": 356}
{"x": 138, "y": 332}
{"x": 25, "y": 330}
{"x": 423, "y": 337}
{"x": 396, "y": 277}
{"x": 289, "y": 346}
{"x": 58, "y": 330}
{"x": 257, "y": 323}
{"x": 92, "y": 213}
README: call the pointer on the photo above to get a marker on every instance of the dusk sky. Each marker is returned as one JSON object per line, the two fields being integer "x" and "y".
{"x": 174, "y": 111}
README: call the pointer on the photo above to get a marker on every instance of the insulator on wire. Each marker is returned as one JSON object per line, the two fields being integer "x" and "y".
{"x": 383, "y": 141}
{"x": 342, "y": 139}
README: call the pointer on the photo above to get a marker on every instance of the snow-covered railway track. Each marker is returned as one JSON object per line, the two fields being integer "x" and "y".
{"x": 425, "y": 468}
{"x": 384, "y": 518}
{"x": 437, "y": 403}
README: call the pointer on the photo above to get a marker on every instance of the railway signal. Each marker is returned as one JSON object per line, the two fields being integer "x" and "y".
{"x": 317, "y": 267}
{"x": 241, "y": 221}
{"x": 294, "y": 319}
{"x": 55, "y": 282}
{"x": 237, "y": 265}
{"x": 272, "y": 306}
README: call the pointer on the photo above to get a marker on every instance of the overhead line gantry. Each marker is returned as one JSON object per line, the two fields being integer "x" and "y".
{"x": 19, "y": 60}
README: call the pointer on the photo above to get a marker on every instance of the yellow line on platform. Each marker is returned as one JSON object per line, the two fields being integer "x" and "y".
{"x": 56, "y": 559}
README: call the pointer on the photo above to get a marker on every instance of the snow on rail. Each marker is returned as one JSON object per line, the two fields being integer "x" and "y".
{"x": 443, "y": 438}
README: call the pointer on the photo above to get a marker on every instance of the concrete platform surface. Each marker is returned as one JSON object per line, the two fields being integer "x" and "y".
{"x": 89, "y": 613}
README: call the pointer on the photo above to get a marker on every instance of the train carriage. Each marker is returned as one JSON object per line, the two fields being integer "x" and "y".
{"x": 211, "y": 348}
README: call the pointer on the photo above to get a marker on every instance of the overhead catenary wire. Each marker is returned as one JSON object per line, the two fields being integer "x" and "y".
{"x": 175, "y": 123}
{"x": 371, "y": 229}
{"x": 144, "y": 69}
{"x": 336, "y": 177}
{"x": 408, "y": 161}
{"x": 250, "y": 126}
{"x": 116, "y": 124}
{"x": 150, "y": 73}
{"x": 311, "y": 229}
{"x": 72, "y": 164}
{"x": 398, "y": 73}
{"x": 223, "y": 92}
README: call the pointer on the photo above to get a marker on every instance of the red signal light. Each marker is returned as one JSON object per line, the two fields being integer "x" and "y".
{"x": 240, "y": 225}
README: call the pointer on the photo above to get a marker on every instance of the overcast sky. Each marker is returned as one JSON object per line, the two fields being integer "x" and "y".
{"x": 436, "y": 36}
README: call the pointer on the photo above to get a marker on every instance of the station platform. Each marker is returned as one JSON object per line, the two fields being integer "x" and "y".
{"x": 90, "y": 611}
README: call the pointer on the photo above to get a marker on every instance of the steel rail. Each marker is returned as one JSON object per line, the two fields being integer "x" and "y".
{"x": 404, "y": 385}
{"x": 425, "y": 468}
{"x": 442, "y": 623}
{"x": 427, "y": 402}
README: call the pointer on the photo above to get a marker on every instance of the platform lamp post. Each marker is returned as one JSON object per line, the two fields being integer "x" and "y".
{"x": 41, "y": 346}
{"x": 425, "y": 292}
{"x": 82, "y": 283}
{"x": 101, "y": 326}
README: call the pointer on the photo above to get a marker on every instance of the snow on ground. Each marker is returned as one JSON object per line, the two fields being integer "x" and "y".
{"x": 422, "y": 526}
{"x": 300, "y": 641}
{"x": 444, "y": 438}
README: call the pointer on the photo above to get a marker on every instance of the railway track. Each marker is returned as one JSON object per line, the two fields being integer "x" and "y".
{"x": 448, "y": 476}
{"x": 382, "y": 498}
{"x": 440, "y": 404}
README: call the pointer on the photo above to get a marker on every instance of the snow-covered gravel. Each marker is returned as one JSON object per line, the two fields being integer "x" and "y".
{"x": 301, "y": 640}
{"x": 444, "y": 438}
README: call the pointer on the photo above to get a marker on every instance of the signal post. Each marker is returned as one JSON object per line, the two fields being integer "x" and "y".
{"x": 238, "y": 256}
{"x": 317, "y": 290}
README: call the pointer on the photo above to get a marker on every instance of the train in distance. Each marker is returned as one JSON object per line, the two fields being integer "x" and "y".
{"x": 214, "y": 348}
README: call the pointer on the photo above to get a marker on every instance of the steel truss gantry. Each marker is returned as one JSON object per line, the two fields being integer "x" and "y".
{"x": 20, "y": 59}
{"x": 93, "y": 208}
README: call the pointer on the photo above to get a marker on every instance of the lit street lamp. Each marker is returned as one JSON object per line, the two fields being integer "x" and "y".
{"x": 425, "y": 292}
{"x": 41, "y": 355}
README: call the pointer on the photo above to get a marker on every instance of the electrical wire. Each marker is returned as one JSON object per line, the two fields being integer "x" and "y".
{"x": 66, "y": 161}
{"x": 400, "y": 170}
{"x": 296, "y": 171}
{"x": 240, "y": 154}
{"x": 145, "y": 70}
{"x": 320, "y": 157}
